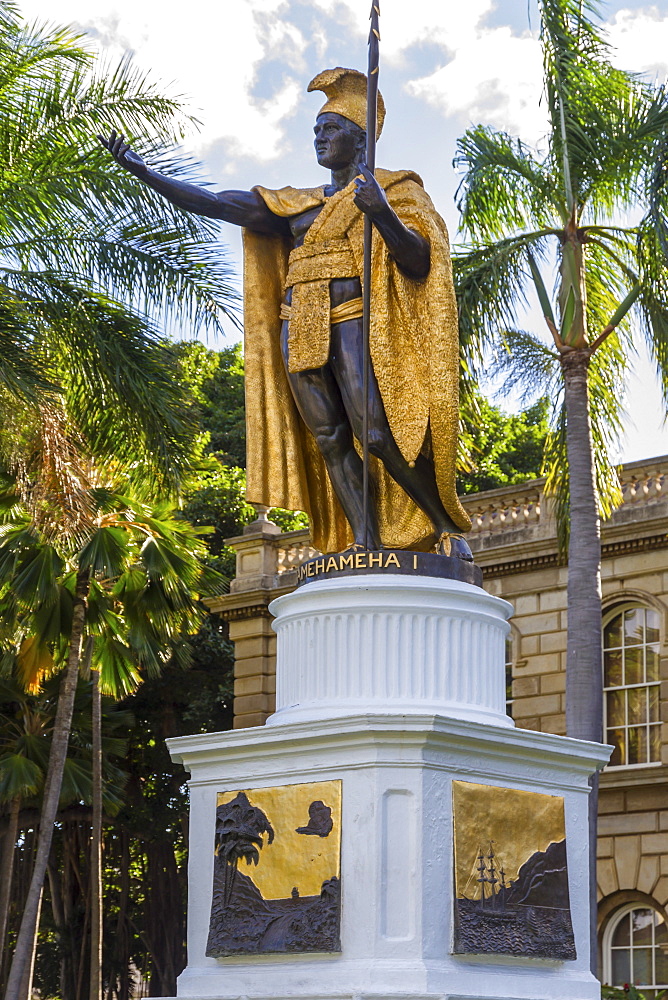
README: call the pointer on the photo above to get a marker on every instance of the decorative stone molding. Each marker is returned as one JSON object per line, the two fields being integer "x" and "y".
{"x": 515, "y": 509}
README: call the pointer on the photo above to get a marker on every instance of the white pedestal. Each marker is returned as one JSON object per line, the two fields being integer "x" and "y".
{"x": 398, "y": 644}
{"x": 396, "y": 687}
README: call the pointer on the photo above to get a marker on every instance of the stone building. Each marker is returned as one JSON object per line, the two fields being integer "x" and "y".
{"x": 514, "y": 541}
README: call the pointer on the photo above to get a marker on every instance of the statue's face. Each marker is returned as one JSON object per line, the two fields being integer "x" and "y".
{"x": 337, "y": 141}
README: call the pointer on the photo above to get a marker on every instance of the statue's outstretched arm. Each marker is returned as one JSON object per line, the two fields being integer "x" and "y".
{"x": 241, "y": 208}
{"x": 408, "y": 248}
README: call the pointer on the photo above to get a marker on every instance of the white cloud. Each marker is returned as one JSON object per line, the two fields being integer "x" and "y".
{"x": 495, "y": 75}
{"x": 428, "y": 21}
{"x": 214, "y": 57}
{"x": 640, "y": 38}
{"x": 494, "y": 78}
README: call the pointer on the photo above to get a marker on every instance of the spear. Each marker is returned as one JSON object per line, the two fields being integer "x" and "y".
{"x": 371, "y": 110}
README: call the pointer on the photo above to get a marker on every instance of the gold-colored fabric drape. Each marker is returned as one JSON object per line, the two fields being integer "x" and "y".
{"x": 414, "y": 351}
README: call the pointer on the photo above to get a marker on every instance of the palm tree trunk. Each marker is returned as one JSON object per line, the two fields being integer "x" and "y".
{"x": 584, "y": 658}
{"x": 7, "y": 869}
{"x": 59, "y": 744}
{"x": 26, "y": 981}
{"x": 55, "y": 892}
{"x": 96, "y": 843}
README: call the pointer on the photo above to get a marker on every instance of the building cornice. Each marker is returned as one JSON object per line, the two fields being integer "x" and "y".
{"x": 619, "y": 546}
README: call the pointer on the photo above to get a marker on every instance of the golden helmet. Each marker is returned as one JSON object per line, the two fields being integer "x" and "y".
{"x": 345, "y": 90}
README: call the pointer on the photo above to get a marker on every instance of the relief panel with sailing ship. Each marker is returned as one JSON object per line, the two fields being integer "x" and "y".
{"x": 511, "y": 875}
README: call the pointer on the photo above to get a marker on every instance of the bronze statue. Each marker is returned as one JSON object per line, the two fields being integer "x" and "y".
{"x": 303, "y": 338}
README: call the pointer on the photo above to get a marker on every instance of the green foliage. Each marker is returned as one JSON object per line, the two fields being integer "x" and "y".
{"x": 87, "y": 254}
{"x": 525, "y": 212}
{"x": 503, "y": 448}
{"x": 91, "y": 263}
{"x": 216, "y": 496}
{"x": 146, "y": 846}
{"x": 288, "y": 520}
{"x": 26, "y": 723}
{"x": 147, "y": 569}
{"x": 627, "y": 992}
{"x": 217, "y": 500}
{"x": 216, "y": 380}
{"x": 68, "y": 209}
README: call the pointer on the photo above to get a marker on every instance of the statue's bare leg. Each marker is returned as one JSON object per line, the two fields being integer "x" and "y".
{"x": 418, "y": 481}
{"x": 320, "y": 405}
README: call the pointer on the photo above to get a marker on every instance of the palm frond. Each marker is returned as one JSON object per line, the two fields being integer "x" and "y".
{"x": 490, "y": 283}
{"x": 21, "y": 372}
{"x": 653, "y": 300}
{"x": 67, "y": 207}
{"x": 619, "y": 131}
{"x": 656, "y": 195}
{"x": 19, "y": 776}
{"x": 572, "y": 44}
{"x": 527, "y": 365}
{"x": 505, "y": 187}
{"x": 31, "y": 52}
{"x": 608, "y": 280}
{"x": 120, "y": 382}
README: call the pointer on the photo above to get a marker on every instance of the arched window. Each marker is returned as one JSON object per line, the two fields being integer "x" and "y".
{"x": 631, "y": 684}
{"x": 635, "y": 950}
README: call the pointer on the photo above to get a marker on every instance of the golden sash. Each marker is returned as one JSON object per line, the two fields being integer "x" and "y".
{"x": 352, "y": 309}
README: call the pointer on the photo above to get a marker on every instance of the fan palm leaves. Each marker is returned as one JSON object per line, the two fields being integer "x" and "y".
{"x": 89, "y": 265}
{"x": 124, "y": 586}
{"x": 567, "y": 208}
{"x": 26, "y": 722}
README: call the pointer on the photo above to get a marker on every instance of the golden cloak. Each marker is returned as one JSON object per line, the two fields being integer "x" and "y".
{"x": 414, "y": 351}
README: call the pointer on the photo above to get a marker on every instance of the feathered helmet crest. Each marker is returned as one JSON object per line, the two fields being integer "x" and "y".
{"x": 345, "y": 90}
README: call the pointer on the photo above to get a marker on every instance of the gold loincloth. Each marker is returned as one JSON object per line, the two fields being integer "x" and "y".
{"x": 337, "y": 314}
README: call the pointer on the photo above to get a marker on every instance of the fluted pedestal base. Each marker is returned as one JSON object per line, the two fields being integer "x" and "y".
{"x": 400, "y": 644}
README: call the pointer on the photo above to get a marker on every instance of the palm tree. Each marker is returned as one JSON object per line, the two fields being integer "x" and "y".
{"x": 521, "y": 209}
{"x": 85, "y": 257}
{"x": 125, "y": 637}
{"x": 239, "y": 830}
{"x": 131, "y": 587}
{"x": 23, "y": 758}
{"x": 26, "y": 721}
{"x": 96, "y": 836}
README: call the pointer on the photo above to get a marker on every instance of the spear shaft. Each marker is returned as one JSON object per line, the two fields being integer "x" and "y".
{"x": 371, "y": 110}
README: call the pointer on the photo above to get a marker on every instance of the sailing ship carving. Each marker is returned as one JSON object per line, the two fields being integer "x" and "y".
{"x": 491, "y": 879}
{"x": 528, "y": 915}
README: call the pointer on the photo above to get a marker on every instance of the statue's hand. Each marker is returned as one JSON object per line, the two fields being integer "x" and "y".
{"x": 121, "y": 152}
{"x": 369, "y": 195}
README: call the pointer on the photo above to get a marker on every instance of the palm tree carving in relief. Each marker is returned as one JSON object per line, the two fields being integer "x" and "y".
{"x": 291, "y": 901}
{"x": 239, "y": 830}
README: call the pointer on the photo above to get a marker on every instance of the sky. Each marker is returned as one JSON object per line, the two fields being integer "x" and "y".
{"x": 242, "y": 67}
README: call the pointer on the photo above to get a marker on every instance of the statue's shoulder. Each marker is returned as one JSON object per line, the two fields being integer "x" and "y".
{"x": 404, "y": 188}
{"x": 389, "y": 178}
{"x": 288, "y": 201}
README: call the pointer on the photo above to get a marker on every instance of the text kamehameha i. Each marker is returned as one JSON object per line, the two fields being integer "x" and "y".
{"x": 347, "y": 562}
{"x": 388, "y": 561}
